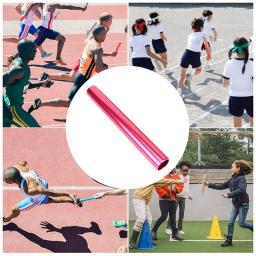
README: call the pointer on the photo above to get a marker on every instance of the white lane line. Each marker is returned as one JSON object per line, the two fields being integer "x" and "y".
{"x": 13, "y": 188}
{"x": 212, "y": 108}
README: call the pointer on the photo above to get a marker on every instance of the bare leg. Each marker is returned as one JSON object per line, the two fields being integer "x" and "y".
{"x": 56, "y": 103}
{"x": 59, "y": 200}
{"x": 198, "y": 71}
{"x": 251, "y": 121}
{"x": 61, "y": 40}
{"x": 237, "y": 121}
{"x": 15, "y": 212}
{"x": 183, "y": 72}
{"x": 164, "y": 56}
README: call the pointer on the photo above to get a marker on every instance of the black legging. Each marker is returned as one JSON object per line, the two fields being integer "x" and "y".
{"x": 167, "y": 206}
{"x": 79, "y": 80}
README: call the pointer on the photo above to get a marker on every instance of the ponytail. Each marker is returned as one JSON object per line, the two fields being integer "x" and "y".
{"x": 230, "y": 54}
{"x": 245, "y": 166}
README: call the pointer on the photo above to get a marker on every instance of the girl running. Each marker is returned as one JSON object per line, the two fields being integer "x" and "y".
{"x": 140, "y": 46}
{"x": 238, "y": 75}
{"x": 157, "y": 36}
{"x": 192, "y": 53}
{"x": 240, "y": 199}
{"x": 208, "y": 29}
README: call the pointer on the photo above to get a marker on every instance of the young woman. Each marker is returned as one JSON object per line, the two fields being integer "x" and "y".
{"x": 191, "y": 55}
{"x": 208, "y": 29}
{"x": 238, "y": 75}
{"x": 157, "y": 36}
{"x": 140, "y": 46}
{"x": 240, "y": 199}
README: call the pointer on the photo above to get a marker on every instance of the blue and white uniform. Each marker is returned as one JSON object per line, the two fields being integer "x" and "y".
{"x": 26, "y": 26}
{"x": 45, "y": 31}
{"x": 32, "y": 201}
{"x": 191, "y": 55}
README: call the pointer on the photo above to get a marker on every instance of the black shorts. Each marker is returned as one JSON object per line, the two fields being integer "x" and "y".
{"x": 159, "y": 46}
{"x": 44, "y": 33}
{"x": 143, "y": 63}
{"x": 237, "y": 105}
{"x": 203, "y": 47}
{"x": 190, "y": 58}
{"x": 79, "y": 80}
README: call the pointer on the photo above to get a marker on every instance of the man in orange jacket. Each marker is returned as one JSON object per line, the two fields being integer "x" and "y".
{"x": 168, "y": 204}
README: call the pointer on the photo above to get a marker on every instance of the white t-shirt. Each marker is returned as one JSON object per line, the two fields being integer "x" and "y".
{"x": 29, "y": 19}
{"x": 185, "y": 191}
{"x": 208, "y": 27}
{"x": 138, "y": 45}
{"x": 47, "y": 17}
{"x": 195, "y": 41}
{"x": 154, "y": 31}
{"x": 241, "y": 85}
{"x": 251, "y": 48}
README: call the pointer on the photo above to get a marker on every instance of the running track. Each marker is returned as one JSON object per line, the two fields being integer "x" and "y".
{"x": 54, "y": 163}
{"x": 74, "y": 31}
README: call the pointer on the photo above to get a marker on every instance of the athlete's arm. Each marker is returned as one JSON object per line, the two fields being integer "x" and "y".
{"x": 154, "y": 56}
{"x": 37, "y": 13}
{"x": 15, "y": 73}
{"x": 97, "y": 54}
{"x": 214, "y": 34}
{"x": 52, "y": 7}
{"x": 18, "y": 8}
{"x": 31, "y": 7}
{"x": 163, "y": 36}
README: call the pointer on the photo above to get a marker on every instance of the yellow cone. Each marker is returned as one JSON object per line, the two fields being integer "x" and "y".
{"x": 215, "y": 233}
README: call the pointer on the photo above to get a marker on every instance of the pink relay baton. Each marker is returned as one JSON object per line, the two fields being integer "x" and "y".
{"x": 154, "y": 155}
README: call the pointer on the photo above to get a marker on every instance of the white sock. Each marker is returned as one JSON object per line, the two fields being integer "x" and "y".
{"x": 179, "y": 90}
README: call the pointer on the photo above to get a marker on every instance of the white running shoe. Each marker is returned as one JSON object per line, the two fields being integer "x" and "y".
{"x": 181, "y": 232}
{"x": 45, "y": 54}
{"x": 167, "y": 71}
{"x": 168, "y": 231}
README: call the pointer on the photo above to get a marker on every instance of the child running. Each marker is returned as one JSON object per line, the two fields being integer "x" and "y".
{"x": 140, "y": 47}
{"x": 35, "y": 189}
{"x": 192, "y": 53}
{"x": 238, "y": 75}
{"x": 240, "y": 199}
{"x": 208, "y": 29}
{"x": 157, "y": 36}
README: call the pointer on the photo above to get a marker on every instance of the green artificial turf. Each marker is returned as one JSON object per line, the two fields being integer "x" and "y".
{"x": 199, "y": 230}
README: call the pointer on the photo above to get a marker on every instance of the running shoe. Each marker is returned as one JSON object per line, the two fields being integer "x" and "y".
{"x": 43, "y": 76}
{"x": 77, "y": 202}
{"x": 60, "y": 62}
{"x": 168, "y": 231}
{"x": 35, "y": 105}
{"x": 188, "y": 80}
{"x": 181, "y": 232}
{"x": 45, "y": 54}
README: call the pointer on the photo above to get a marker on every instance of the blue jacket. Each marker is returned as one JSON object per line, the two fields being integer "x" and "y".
{"x": 237, "y": 185}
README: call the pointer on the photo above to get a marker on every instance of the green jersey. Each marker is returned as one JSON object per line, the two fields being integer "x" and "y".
{"x": 14, "y": 95}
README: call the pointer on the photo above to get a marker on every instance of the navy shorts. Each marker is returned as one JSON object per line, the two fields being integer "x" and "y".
{"x": 159, "y": 46}
{"x": 143, "y": 63}
{"x": 190, "y": 58}
{"x": 44, "y": 33}
{"x": 237, "y": 105}
{"x": 25, "y": 30}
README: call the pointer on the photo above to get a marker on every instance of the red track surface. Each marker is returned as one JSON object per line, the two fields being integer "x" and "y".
{"x": 50, "y": 116}
{"x": 47, "y": 152}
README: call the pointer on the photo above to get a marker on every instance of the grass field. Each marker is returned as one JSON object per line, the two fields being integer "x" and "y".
{"x": 199, "y": 230}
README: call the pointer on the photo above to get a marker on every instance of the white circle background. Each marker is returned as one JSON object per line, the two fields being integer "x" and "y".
{"x": 103, "y": 151}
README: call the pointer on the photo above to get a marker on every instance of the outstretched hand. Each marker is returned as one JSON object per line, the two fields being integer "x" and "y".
{"x": 48, "y": 226}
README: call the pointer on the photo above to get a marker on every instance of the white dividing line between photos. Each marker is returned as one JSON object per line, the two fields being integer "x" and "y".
{"x": 12, "y": 188}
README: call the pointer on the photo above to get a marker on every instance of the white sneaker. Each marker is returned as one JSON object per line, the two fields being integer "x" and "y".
{"x": 167, "y": 71}
{"x": 181, "y": 232}
{"x": 168, "y": 231}
{"x": 46, "y": 54}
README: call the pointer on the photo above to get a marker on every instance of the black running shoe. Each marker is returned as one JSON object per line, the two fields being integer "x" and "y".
{"x": 35, "y": 105}
{"x": 43, "y": 76}
{"x": 77, "y": 202}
